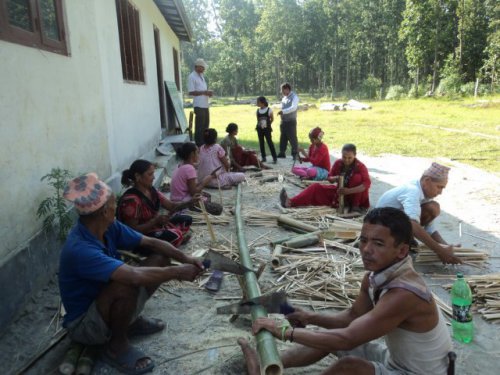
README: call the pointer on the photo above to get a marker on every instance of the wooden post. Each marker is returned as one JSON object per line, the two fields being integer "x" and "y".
{"x": 190, "y": 125}
{"x": 270, "y": 362}
{"x": 341, "y": 196}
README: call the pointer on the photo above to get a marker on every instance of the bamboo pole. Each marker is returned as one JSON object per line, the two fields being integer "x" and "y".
{"x": 341, "y": 196}
{"x": 220, "y": 191}
{"x": 209, "y": 224}
{"x": 270, "y": 362}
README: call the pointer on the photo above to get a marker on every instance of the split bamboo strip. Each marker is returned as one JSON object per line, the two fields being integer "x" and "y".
{"x": 270, "y": 361}
{"x": 207, "y": 220}
{"x": 311, "y": 182}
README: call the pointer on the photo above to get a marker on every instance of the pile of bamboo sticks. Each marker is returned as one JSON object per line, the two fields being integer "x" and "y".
{"x": 486, "y": 294}
{"x": 324, "y": 280}
{"x": 199, "y": 218}
{"x": 470, "y": 257}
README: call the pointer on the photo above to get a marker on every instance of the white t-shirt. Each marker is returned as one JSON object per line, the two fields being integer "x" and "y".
{"x": 408, "y": 198}
{"x": 196, "y": 82}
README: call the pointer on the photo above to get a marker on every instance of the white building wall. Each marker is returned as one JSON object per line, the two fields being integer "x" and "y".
{"x": 73, "y": 112}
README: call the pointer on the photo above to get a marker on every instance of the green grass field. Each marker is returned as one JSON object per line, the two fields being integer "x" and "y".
{"x": 465, "y": 130}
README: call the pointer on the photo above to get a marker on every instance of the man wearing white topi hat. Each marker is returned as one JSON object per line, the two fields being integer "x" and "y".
{"x": 198, "y": 89}
{"x": 102, "y": 295}
{"x": 416, "y": 200}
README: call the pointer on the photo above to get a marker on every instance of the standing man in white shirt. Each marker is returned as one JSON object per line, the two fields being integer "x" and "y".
{"x": 288, "y": 126}
{"x": 198, "y": 89}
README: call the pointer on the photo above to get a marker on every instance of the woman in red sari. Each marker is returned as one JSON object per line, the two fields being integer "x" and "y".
{"x": 139, "y": 207}
{"x": 356, "y": 186}
{"x": 239, "y": 156}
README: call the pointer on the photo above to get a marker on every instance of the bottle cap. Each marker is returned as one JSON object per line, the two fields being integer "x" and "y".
{"x": 460, "y": 275}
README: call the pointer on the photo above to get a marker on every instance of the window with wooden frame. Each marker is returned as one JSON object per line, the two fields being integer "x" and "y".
{"x": 130, "y": 41}
{"x": 34, "y": 23}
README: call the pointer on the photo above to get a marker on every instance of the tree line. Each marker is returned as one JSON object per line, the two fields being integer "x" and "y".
{"x": 350, "y": 48}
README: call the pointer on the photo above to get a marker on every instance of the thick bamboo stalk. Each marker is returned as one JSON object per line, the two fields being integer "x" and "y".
{"x": 281, "y": 240}
{"x": 270, "y": 362}
{"x": 283, "y": 219}
{"x": 302, "y": 241}
{"x": 296, "y": 242}
{"x": 275, "y": 260}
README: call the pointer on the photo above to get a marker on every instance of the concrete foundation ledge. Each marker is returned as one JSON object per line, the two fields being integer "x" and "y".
{"x": 25, "y": 273}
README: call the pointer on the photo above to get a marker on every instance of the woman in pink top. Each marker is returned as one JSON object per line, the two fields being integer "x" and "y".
{"x": 185, "y": 184}
{"x": 318, "y": 156}
{"x": 213, "y": 160}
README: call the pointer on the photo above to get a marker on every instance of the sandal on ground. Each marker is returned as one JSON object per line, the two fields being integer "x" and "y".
{"x": 283, "y": 197}
{"x": 145, "y": 326}
{"x": 214, "y": 282}
{"x": 127, "y": 361}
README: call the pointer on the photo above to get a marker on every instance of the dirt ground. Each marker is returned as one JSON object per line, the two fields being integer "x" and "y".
{"x": 198, "y": 341}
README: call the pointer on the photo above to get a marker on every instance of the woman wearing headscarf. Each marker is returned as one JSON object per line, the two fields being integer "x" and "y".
{"x": 317, "y": 155}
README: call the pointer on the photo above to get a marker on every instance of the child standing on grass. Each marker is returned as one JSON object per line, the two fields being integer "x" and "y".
{"x": 265, "y": 118}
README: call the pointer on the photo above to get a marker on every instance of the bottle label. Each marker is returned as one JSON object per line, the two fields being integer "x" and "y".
{"x": 462, "y": 314}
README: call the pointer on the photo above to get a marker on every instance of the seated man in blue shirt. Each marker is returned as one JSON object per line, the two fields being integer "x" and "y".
{"x": 102, "y": 295}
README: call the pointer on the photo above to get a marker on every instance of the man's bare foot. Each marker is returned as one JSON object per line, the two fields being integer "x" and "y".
{"x": 251, "y": 358}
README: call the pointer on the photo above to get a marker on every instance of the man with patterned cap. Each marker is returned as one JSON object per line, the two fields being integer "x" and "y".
{"x": 198, "y": 89}
{"x": 102, "y": 295}
{"x": 416, "y": 200}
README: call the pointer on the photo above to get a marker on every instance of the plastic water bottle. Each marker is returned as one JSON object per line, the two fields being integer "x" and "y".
{"x": 461, "y": 300}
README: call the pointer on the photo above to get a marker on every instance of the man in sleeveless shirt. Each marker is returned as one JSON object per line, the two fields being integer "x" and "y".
{"x": 394, "y": 303}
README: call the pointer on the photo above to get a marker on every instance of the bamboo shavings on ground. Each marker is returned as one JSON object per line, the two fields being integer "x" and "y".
{"x": 322, "y": 281}
{"x": 470, "y": 257}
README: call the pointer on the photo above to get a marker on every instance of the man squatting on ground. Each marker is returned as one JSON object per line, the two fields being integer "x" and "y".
{"x": 288, "y": 125}
{"x": 198, "y": 89}
{"x": 416, "y": 200}
{"x": 393, "y": 302}
{"x": 102, "y": 295}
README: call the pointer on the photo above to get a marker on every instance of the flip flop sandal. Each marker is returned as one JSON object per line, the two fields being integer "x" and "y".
{"x": 127, "y": 361}
{"x": 145, "y": 326}
{"x": 214, "y": 282}
{"x": 283, "y": 197}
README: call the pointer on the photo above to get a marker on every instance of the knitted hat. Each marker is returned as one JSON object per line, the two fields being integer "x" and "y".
{"x": 437, "y": 171}
{"x": 87, "y": 193}
{"x": 200, "y": 62}
{"x": 316, "y": 133}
